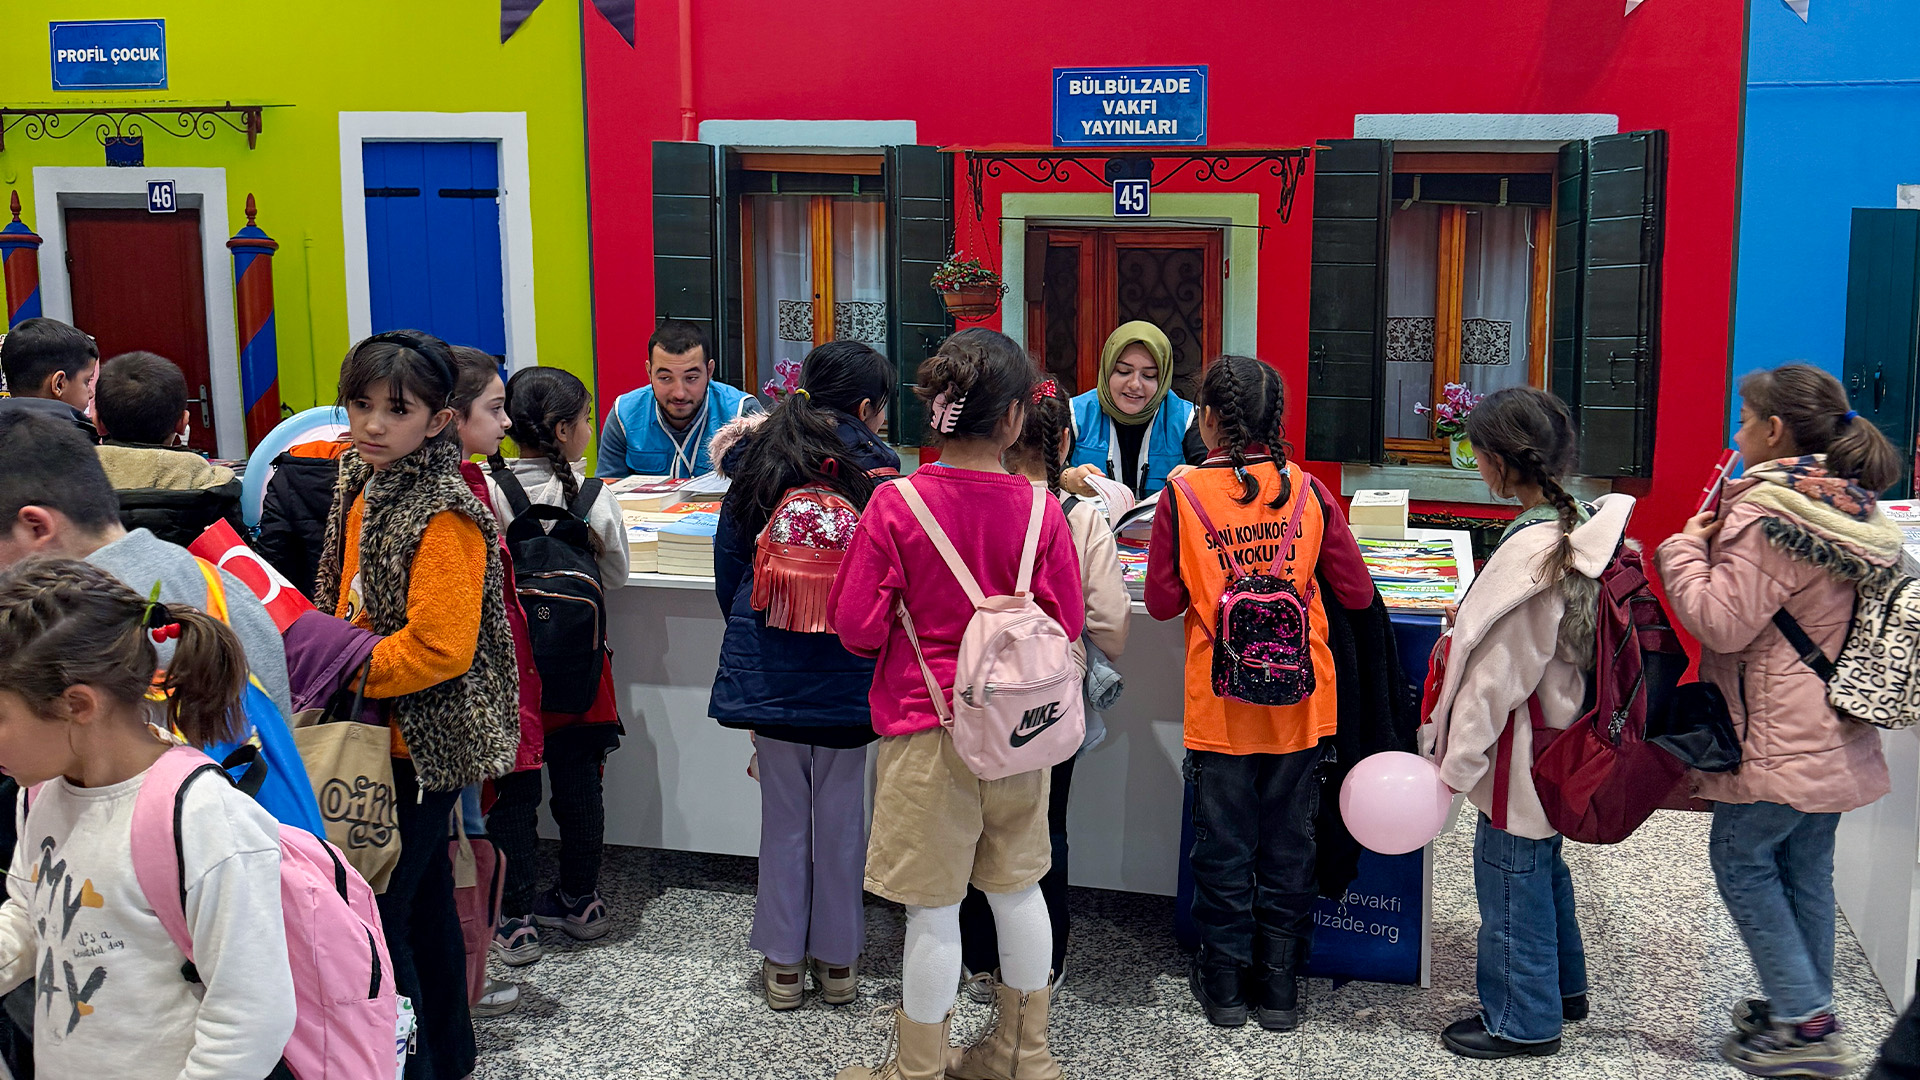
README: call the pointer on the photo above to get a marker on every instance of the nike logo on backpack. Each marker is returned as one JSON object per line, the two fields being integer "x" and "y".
{"x": 1033, "y": 722}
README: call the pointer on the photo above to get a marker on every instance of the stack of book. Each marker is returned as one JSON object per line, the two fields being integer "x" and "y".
{"x": 645, "y": 493}
{"x": 686, "y": 546}
{"x": 1413, "y": 575}
{"x": 643, "y": 548}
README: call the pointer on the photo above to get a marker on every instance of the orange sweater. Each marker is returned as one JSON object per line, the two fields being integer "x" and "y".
{"x": 443, "y": 607}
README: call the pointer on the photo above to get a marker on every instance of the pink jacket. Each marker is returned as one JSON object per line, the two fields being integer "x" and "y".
{"x": 1514, "y": 638}
{"x": 1794, "y": 748}
{"x": 890, "y": 559}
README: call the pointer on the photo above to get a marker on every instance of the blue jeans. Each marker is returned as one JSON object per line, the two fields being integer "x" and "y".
{"x": 1774, "y": 866}
{"x": 1529, "y": 960}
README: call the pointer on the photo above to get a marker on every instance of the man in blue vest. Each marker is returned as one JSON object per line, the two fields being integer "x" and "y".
{"x": 662, "y": 429}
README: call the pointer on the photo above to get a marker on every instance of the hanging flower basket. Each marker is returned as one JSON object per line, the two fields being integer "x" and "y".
{"x": 970, "y": 289}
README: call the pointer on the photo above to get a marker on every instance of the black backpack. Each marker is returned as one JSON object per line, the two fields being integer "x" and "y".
{"x": 558, "y": 579}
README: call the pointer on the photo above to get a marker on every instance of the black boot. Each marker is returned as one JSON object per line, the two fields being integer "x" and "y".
{"x": 1277, "y": 993}
{"x": 1470, "y": 1038}
{"x": 1216, "y": 986}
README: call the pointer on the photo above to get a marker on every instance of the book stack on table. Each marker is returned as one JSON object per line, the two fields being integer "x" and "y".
{"x": 686, "y": 546}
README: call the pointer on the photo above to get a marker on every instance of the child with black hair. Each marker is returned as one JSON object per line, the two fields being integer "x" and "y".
{"x": 413, "y": 555}
{"x": 1040, "y": 455}
{"x": 936, "y": 826}
{"x": 141, "y": 403}
{"x": 552, "y": 423}
{"x": 1520, "y": 658}
{"x": 78, "y": 717}
{"x": 50, "y": 367}
{"x": 1253, "y": 766}
{"x": 802, "y": 693}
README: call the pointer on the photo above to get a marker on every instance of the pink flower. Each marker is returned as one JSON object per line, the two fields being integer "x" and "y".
{"x": 1450, "y": 412}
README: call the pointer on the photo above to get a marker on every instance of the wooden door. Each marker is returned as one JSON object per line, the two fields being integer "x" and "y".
{"x": 137, "y": 284}
{"x": 1084, "y": 282}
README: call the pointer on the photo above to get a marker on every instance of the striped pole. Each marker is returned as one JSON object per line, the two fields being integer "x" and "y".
{"x": 253, "y": 308}
{"x": 20, "y": 254}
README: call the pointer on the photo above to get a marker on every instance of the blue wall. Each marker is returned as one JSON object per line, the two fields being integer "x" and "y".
{"x": 1814, "y": 151}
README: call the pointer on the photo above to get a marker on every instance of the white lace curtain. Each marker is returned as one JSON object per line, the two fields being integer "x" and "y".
{"x": 783, "y": 275}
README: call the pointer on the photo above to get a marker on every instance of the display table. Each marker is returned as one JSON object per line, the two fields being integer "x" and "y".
{"x": 1876, "y": 870}
{"x": 679, "y": 780}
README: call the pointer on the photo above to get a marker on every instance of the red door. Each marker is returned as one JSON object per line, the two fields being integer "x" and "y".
{"x": 137, "y": 284}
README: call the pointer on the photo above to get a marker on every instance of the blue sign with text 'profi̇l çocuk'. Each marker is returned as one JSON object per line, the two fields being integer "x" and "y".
{"x": 1136, "y": 106}
{"x": 109, "y": 54}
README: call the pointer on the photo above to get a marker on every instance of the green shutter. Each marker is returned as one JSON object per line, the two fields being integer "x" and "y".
{"x": 1619, "y": 303}
{"x": 1347, "y": 302}
{"x": 1569, "y": 242}
{"x": 919, "y": 238}
{"x": 1883, "y": 324}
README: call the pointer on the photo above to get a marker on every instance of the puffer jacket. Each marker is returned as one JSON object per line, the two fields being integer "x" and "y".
{"x": 1794, "y": 748}
{"x": 804, "y": 688}
{"x": 293, "y": 514}
{"x": 1521, "y": 632}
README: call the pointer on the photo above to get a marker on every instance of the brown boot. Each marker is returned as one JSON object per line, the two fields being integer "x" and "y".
{"x": 916, "y": 1052}
{"x": 1014, "y": 1046}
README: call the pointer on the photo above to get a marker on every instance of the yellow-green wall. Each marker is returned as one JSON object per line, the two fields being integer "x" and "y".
{"x": 320, "y": 59}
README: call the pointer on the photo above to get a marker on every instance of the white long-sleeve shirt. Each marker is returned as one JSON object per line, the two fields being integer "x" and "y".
{"x": 542, "y": 485}
{"x": 111, "y": 1000}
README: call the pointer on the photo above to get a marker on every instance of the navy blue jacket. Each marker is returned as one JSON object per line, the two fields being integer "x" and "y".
{"x": 804, "y": 688}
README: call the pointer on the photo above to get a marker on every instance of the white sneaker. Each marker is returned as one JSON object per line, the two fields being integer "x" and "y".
{"x": 499, "y": 999}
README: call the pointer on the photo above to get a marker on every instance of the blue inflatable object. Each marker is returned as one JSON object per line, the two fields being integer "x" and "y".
{"x": 279, "y": 778}
{"x": 300, "y": 427}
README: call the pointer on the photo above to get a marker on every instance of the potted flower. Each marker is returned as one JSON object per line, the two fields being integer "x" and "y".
{"x": 785, "y": 381}
{"x": 971, "y": 290}
{"x": 1450, "y": 419}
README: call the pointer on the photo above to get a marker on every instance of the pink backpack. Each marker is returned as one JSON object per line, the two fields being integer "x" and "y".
{"x": 1016, "y": 704}
{"x": 342, "y": 979}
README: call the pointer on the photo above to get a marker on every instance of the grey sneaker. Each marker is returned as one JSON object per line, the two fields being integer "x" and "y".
{"x": 517, "y": 942}
{"x": 785, "y": 985}
{"x": 500, "y": 999}
{"x": 838, "y": 985}
{"x": 1751, "y": 1015}
{"x": 978, "y": 988}
{"x": 1780, "y": 1051}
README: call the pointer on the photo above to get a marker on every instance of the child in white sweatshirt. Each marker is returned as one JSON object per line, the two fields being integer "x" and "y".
{"x": 81, "y": 719}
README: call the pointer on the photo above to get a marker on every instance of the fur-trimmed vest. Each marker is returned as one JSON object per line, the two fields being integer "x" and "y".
{"x": 466, "y": 729}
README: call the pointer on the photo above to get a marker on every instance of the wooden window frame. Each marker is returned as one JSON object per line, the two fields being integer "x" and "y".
{"x": 1097, "y": 316}
{"x": 1450, "y": 280}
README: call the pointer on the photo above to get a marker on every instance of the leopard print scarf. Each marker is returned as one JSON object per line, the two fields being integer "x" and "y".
{"x": 466, "y": 729}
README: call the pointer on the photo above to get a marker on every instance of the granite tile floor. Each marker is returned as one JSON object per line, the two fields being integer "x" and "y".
{"x": 673, "y": 991}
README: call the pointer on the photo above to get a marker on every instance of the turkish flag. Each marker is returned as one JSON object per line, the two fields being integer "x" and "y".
{"x": 222, "y": 547}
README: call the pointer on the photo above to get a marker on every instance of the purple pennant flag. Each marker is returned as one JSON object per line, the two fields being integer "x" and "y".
{"x": 619, "y": 13}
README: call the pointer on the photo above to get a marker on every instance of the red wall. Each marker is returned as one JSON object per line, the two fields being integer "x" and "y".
{"x": 979, "y": 74}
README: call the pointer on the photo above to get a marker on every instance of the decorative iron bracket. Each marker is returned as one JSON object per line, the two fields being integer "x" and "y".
{"x": 1287, "y": 164}
{"x": 109, "y": 122}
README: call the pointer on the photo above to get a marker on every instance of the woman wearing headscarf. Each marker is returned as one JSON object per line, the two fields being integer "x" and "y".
{"x": 1131, "y": 427}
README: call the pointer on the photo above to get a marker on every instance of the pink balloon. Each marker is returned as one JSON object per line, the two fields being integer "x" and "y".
{"x": 1395, "y": 802}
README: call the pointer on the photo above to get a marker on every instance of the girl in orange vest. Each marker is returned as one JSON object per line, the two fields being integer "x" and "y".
{"x": 1252, "y": 766}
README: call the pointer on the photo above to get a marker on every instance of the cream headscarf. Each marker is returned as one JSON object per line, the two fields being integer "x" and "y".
{"x": 1156, "y": 342}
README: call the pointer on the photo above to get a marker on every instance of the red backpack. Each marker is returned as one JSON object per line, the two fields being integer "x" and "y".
{"x": 1599, "y": 779}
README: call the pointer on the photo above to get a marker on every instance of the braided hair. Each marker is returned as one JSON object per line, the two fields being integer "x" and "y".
{"x": 67, "y": 623}
{"x": 1250, "y": 401}
{"x": 1049, "y": 422}
{"x": 1530, "y": 433}
{"x": 539, "y": 400}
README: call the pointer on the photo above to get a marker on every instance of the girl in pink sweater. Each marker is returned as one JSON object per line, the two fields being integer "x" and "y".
{"x": 936, "y": 827}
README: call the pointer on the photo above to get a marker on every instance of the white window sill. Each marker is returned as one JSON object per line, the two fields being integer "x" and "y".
{"x": 1444, "y": 483}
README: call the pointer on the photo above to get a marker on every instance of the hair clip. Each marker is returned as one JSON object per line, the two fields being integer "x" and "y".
{"x": 165, "y": 633}
{"x": 1047, "y": 388}
{"x": 831, "y": 467}
{"x": 802, "y": 391}
{"x": 945, "y": 413}
{"x": 154, "y": 615}
{"x": 1850, "y": 417}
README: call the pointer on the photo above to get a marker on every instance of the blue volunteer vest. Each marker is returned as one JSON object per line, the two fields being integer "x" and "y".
{"x": 650, "y": 449}
{"x": 1166, "y": 432}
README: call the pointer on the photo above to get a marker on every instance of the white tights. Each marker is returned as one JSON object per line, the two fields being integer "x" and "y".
{"x": 930, "y": 969}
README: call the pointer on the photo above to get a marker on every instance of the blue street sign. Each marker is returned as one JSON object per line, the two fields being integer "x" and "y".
{"x": 1134, "y": 106}
{"x": 109, "y": 54}
{"x": 1130, "y": 198}
{"x": 160, "y": 197}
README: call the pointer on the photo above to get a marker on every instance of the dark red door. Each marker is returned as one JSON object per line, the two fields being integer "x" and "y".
{"x": 137, "y": 284}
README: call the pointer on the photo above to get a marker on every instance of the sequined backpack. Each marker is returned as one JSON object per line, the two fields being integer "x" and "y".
{"x": 1262, "y": 653}
{"x": 798, "y": 555}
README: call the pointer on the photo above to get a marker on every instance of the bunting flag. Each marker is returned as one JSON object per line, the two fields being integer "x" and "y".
{"x": 1798, "y": 7}
{"x": 1631, "y": 4}
{"x": 619, "y": 13}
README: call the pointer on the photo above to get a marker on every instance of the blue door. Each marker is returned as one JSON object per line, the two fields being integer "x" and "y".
{"x": 433, "y": 240}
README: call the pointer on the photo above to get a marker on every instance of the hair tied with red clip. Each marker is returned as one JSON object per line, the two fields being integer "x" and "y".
{"x": 831, "y": 467}
{"x": 155, "y": 617}
{"x": 1046, "y": 389}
